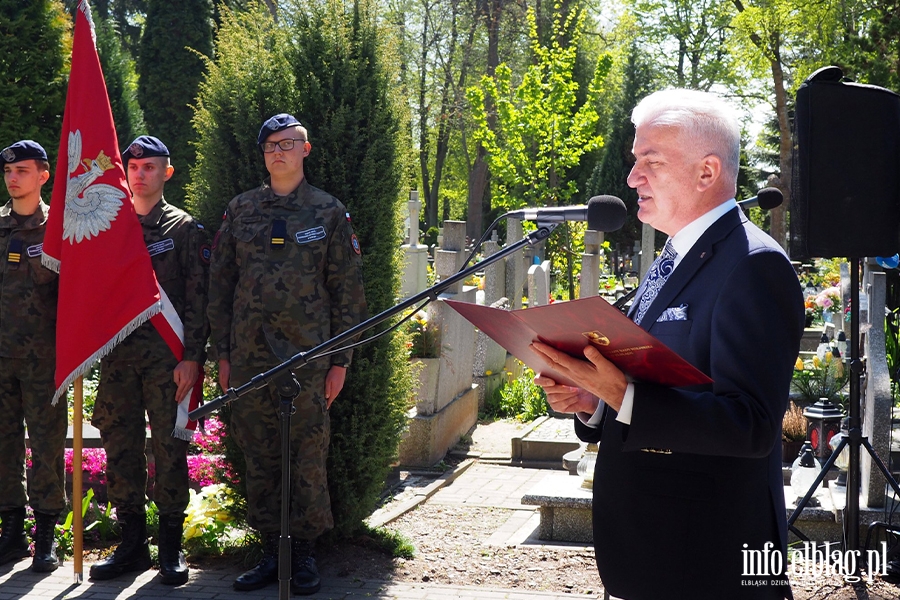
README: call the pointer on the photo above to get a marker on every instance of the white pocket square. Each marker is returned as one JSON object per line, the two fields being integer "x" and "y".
{"x": 675, "y": 313}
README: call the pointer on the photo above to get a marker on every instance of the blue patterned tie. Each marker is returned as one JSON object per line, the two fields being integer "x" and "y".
{"x": 659, "y": 272}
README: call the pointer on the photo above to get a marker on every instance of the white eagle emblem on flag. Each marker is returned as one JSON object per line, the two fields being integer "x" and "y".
{"x": 90, "y": 207}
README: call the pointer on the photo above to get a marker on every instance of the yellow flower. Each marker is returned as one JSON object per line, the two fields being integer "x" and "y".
{"x": 816, "y": 362}
{"x": 828, "y": 357}
{"x": 799, "y": 364}
{"x": 489, "y": 372}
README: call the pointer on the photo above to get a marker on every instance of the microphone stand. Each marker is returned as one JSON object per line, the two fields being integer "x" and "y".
{"x": 289, "y": 388}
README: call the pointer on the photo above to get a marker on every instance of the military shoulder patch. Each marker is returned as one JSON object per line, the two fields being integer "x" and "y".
{"x": 205, "y": 253}
{"x": 35, "y": 251}
{"x": 354, "y": 241}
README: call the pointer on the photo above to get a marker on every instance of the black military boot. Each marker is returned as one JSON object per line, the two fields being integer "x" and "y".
{"x": 265, "y": 571}
{"x": 133, "y": 554}
{"x": 304, "y": 573}
{"x": 13, "y": 544}
{"x": 45, "y": 559}
{"x": 173, "y": 568}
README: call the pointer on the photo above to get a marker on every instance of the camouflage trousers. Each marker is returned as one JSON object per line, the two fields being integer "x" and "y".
{"x": 26, "y": 388}
{"x": 256, "y": 426}
{"x": 128, "y": 389}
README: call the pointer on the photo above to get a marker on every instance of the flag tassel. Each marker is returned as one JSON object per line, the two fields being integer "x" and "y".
{"x": 106, "y": 348}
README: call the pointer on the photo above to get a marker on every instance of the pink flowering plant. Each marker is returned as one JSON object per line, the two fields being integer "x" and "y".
{"x": 829, "y": 300}
{"x": 206, "y": 461}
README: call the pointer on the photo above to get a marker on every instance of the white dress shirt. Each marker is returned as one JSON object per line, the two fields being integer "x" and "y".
{"x": 682, "y": 242}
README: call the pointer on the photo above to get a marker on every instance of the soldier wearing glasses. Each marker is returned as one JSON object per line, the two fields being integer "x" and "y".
{"x": 287, "y": 276}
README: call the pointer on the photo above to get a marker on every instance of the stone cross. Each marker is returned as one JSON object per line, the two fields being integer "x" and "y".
{"x": 590, "y": 264}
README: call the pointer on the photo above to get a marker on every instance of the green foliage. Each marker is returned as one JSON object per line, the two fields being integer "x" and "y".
{"x": 430, "y": 237}
{"x": 126, "y": 15}
{"x": 343, "y": 85}
{"x": 97, "y": 521}
{"x": 170, "y": 61}
{"x": 518, "y": 398}
{"x": 90, "y": 383}
{"x": 121, "y": 83}
{"x": 35, "y": 45}
{"x": 249, "y": 81}
{"x": 540, "y": 131}
{"x": 687, "y": 40}
{"x": 326, "y": 66}
{"x": 389, "y": 541}
{"x": 892, "y": 350}
{"x": 634, "y": 81}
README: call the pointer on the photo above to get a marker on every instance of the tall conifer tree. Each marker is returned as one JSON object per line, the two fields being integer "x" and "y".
{"x": 344, "y": 98}
{"x": 170, "y": 70}
{"x": 35, "y": 42}
{"x": 329, "y": 70}
{"x": 121, "y": 82}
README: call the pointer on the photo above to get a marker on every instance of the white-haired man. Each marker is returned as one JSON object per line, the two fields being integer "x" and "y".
{"x": 688, "y": 481}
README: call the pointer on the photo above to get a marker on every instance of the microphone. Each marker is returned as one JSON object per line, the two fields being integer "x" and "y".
{"x": 602, "y": 213}
{"x": 766, "y": 198}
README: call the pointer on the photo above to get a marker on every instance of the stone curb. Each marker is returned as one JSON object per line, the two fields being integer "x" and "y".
{"x": 422, "y": 495}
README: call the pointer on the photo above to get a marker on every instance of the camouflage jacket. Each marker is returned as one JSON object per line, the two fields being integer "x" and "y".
{"x": 28, "y": 290}
{"x": 287, "y": 276}
{"x": 180, "y": 256}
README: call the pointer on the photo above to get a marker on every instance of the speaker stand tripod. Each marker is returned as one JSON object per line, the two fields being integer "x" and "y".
{"x": 855, "y": 439}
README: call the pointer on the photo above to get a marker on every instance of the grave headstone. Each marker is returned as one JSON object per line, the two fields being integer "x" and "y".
{"x": 516, "y": 264}
{"x": 876, "y": 411}
{"x": 415, "y": 255}
{"x": 590, "y": 264}
{"x": 539, "y": 284}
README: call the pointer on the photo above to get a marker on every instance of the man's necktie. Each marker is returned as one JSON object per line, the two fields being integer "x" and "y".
{"x": 659, "y": 272}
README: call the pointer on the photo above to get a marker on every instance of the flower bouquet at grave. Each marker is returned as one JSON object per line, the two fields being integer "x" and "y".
{"x": 813, "y": 310}
{"x": 829, "y": 300}
{"x": 423, "y": 339}
{"x": 816, "y": 378}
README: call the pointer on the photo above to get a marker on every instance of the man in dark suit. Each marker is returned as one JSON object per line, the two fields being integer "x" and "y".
{"x": 688, "y": 497}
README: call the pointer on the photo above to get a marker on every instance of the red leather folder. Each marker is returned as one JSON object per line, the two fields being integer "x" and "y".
{"x": 570, "y": 326}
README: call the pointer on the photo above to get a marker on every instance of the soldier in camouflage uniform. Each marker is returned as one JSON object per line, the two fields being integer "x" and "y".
{"x": 28, "y": 294}
{"x": 286, "y": 273}
{"x": 141, "y": 374}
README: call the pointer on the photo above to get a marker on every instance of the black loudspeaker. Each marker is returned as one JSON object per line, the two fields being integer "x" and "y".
{"x": 845, "y": 192}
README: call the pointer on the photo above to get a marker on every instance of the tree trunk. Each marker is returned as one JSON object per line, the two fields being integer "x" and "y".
{"x": 442, "y": 145}
{"x": 478, "y": 175}
{"x": 272, "y": 5}
{"x": 778, "y": 223}
{"x": 772, "y": 49}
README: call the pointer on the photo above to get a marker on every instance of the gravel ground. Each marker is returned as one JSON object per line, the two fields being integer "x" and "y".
{"x": 451, "y": 549}
{"x": 451, "y": 543}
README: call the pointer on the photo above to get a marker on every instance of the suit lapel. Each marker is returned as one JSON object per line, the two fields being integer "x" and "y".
{"x": 696, "y": 257}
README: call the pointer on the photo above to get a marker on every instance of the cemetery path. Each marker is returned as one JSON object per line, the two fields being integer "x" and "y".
{"x": 474, "y": 540}
{"x": 474, "y": 531}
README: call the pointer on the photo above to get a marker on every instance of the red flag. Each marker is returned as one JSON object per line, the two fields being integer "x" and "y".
{"x": 107, "y": 287}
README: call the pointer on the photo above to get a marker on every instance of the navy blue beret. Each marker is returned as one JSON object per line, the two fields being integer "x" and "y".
{"x": 276, "y": 123}
{"x": 23, "y": 150}
{"x": 145, "y": 146}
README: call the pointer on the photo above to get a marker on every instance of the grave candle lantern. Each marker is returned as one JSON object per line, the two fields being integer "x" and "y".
{"x": 823, "y": 421}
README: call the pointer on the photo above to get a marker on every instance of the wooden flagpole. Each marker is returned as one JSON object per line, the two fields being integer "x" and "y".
{"x": 77, "y": 538}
